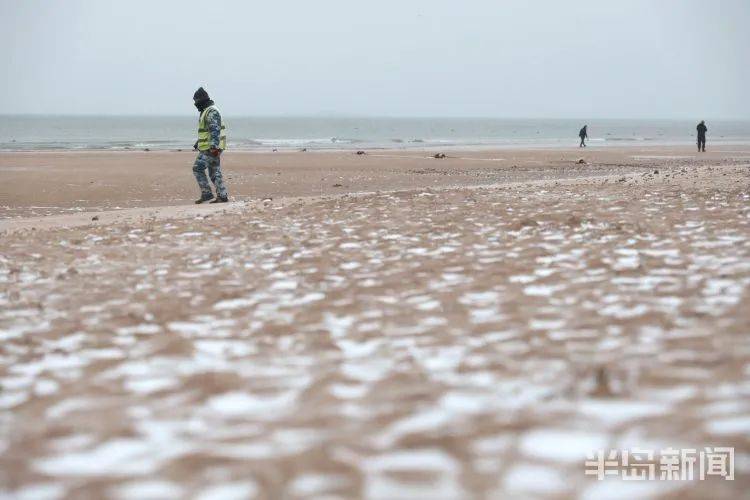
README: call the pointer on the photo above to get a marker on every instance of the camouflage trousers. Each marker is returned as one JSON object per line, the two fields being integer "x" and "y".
{"x": 213, "y": 164}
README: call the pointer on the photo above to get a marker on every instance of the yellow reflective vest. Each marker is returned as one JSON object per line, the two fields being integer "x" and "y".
{"x": 204, "y": 134}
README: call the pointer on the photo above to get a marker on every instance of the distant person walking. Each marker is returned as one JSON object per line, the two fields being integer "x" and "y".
{"x": 212, "y": 141}
{"x": 583, "y": 134}
{"x": 702, "y": 129}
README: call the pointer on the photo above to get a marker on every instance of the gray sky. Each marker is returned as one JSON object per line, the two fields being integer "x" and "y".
{"x": 522, "y": 58}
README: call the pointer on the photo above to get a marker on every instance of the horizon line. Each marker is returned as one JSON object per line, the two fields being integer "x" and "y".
{"x": 368, "y": 116}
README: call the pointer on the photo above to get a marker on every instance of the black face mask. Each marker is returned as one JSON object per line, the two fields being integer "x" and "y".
{"x": 201, "y": 105}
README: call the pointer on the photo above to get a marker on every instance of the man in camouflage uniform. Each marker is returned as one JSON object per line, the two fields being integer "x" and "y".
{"x": 212, "y": 141}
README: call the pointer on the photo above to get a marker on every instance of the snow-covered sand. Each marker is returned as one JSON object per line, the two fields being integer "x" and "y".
{"x": 408, "y": 343}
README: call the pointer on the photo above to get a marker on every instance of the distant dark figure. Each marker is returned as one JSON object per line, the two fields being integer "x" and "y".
{"x": 583, "y": 134}
{"x": 702, "y": 129}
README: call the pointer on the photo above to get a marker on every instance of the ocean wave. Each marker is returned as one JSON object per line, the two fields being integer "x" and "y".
{"x": 631, "y": 139}
{"x": 258, "y": 133}
{"x": 245, "y": 142}
{"x": 344, "y": 140}
{"x": 293, "y": 141}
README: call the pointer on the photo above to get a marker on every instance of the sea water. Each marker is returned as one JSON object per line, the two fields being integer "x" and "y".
{"x": 32, "y": 133}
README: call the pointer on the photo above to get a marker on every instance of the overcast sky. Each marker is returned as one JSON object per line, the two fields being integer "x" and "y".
{"x": 494, "y": 58}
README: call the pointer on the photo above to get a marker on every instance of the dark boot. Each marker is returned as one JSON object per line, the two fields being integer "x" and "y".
{"x": 220, "y": 199}
{"x": 204, "y": 198}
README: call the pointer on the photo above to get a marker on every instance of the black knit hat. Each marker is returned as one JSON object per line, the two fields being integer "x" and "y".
{"x": 200, "y": 95}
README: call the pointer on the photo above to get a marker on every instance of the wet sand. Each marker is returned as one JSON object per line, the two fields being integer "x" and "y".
{"x": 46, "y": 183}
{"x": 463, "y": 329}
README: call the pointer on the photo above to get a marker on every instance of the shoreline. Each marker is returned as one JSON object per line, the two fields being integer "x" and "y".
{"x": 353, "y": 147}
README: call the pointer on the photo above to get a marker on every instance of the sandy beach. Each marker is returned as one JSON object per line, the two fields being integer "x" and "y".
{"x": 388, "y": 325}
{"x": 46, "y": 183}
